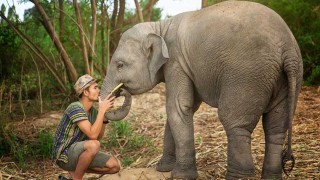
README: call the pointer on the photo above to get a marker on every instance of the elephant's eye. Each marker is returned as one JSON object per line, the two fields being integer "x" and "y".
{"x": 119, "y": 65}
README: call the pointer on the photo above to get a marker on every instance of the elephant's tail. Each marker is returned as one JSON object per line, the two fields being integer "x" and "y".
{"x": 292, "y": 67}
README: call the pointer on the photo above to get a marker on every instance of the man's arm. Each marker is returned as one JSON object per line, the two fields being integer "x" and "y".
{"x": 93, "y": 131}
{"x": 103, "y": 128}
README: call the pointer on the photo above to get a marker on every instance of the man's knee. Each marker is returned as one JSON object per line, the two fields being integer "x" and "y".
{"x": 113, "y": 164}
{"x": 92, "y": 146}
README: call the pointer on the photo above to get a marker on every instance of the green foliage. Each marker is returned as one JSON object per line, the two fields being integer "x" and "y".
{"x": 156, "y": 12}
{"x": 9, "y": 59}
{"x": 303, "y": 18}
{"x": 5, "y": 146}
{"x": 198, "y": 140}
{"x": 123, "y": 137}
{"x": 9, "y": 46}
{"x": 18, "y": 149}
{"x": 45, "y": 146}
{"x": 155, "y": 16}
{"x": 23, "y": 149}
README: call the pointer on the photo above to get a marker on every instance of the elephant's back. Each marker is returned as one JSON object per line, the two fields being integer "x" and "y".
{"x": 243, "y": 12}
{"x": 233, "y": 32}
{"x": 232, "y": 42}
{"x": 240, "y": 18}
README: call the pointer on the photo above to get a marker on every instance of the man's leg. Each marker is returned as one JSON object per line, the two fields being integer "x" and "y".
{"x": 90, "y": 149}
{"x": 104, "y": 164}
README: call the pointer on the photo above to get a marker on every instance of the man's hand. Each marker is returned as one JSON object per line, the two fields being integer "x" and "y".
{"x": 107, "y": 103}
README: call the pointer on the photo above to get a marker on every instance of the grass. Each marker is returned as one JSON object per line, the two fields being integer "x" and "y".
{"x": 45, "y": 147}
{"x": 21, "y": 147}
{"x": 21, "y": 150}
{"x": 130, "y": 144}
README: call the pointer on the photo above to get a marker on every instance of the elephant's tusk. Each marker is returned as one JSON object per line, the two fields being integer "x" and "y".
{"x": 116, "y": 88}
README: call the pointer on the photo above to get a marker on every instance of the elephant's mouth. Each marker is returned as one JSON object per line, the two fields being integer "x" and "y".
{"x": 116, "y": 93}
{"x": 122, "y": 112}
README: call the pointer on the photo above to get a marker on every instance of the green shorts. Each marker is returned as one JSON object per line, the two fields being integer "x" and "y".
{"x": 73, "y": 155}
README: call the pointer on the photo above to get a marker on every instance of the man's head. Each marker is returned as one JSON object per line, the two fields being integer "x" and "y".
{"x": 87, "y": 86}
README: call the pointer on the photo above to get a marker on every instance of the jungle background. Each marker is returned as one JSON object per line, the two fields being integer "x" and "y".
{"x": 42, "y": 56}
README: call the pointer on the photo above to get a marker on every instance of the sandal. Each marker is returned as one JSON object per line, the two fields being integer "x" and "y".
{"x": 61, "y": 177}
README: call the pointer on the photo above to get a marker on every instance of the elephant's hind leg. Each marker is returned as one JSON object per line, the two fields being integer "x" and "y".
{"x": 275, "y": 127}
{"x": 240, "y": 161}
{"x": 240, "y": 109}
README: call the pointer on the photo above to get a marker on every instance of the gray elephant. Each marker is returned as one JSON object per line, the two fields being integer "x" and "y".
{"x": 237, "y": 56}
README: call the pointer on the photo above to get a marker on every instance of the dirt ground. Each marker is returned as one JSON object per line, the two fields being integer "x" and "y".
{"x": 148, "y": 117}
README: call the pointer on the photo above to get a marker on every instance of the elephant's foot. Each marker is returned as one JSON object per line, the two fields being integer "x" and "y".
{"x": 272, "y": 165}
{"x": 269, "y": 175}
{"x": 240, "y": 161}
{"x": 188, "y": 173}
{"x": 166, "y": 164}
{"x": 244, "y": 174}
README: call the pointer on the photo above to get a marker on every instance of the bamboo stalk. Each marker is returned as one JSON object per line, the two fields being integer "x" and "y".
{"x": 20, "y": 91}
{"x": 10, "y": 102}
{"x": 138, "y": 10}
{"x": 39, "y": 83}
{"x": 1, "y": 93}
{"x": 82, "y": 39}
{"x": 93, "y": 34}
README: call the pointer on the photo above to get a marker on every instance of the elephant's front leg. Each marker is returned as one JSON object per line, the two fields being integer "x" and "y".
{"x": 168, "y": 159}
{"x": 180, "y": 107}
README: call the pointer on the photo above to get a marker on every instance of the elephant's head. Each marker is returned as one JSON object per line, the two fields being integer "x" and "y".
{"x": 137, "y": 63}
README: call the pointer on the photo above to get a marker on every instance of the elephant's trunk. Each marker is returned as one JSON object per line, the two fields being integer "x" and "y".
{"x": 123, "y": 111}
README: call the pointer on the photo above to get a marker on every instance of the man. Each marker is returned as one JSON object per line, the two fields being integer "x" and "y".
{"x": 76, "y": 142}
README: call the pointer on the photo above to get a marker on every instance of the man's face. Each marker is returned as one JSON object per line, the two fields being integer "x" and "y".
{"x": 93, "y": 92}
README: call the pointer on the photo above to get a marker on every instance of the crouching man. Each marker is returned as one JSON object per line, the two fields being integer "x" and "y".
{"x": 76, "y": 141}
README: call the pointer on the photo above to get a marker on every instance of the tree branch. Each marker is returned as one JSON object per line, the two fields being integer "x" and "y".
{"x": 93, "y": 33}
{"x": 138, "y": 10}
{"x": 27, "y": 41}
{"x": 81, "y": 35}
{"x": 48, "y": 26}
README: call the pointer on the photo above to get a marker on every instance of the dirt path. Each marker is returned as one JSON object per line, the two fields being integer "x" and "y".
{"x": 148, "y": 117}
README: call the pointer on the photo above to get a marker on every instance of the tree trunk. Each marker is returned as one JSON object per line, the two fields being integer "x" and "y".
{"x": 81, "y": 35}
{"x": 49, "y": 28}
{"x": 39, "y": 83}
{"x": 145, "y": 12}
{"x": 61, "y": 35}
{"x": 118, "y": 28}
{"x": 113, "y": 43}
{"x": 114, "y": 14}
{"x": 149, "y": 10}
{"x": 121, "y": 14}
{"x": 108, "y": 30}
{"x": 204, "y": 4}
{"x": 93, "y": 34}
{"x": 138, "y": 10}
{"x": 103, "y": 19}
{"x": 20, "y": 92}
{"x": 61, "y": 19}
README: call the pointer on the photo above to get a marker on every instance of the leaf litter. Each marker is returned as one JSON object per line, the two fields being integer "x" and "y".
{"x": 148, "y": 117}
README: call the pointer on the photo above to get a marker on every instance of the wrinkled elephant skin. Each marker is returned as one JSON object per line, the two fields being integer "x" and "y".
{"x": 237, "y": 56}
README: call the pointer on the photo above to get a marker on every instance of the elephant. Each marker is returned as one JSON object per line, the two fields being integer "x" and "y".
{"x": 239, "y": 57}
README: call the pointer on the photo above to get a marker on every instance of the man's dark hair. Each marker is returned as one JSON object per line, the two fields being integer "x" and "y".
{"x": 86, "y": 89}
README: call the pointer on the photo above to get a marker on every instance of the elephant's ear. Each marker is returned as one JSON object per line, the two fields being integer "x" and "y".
{"x": 157, "y": 51}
